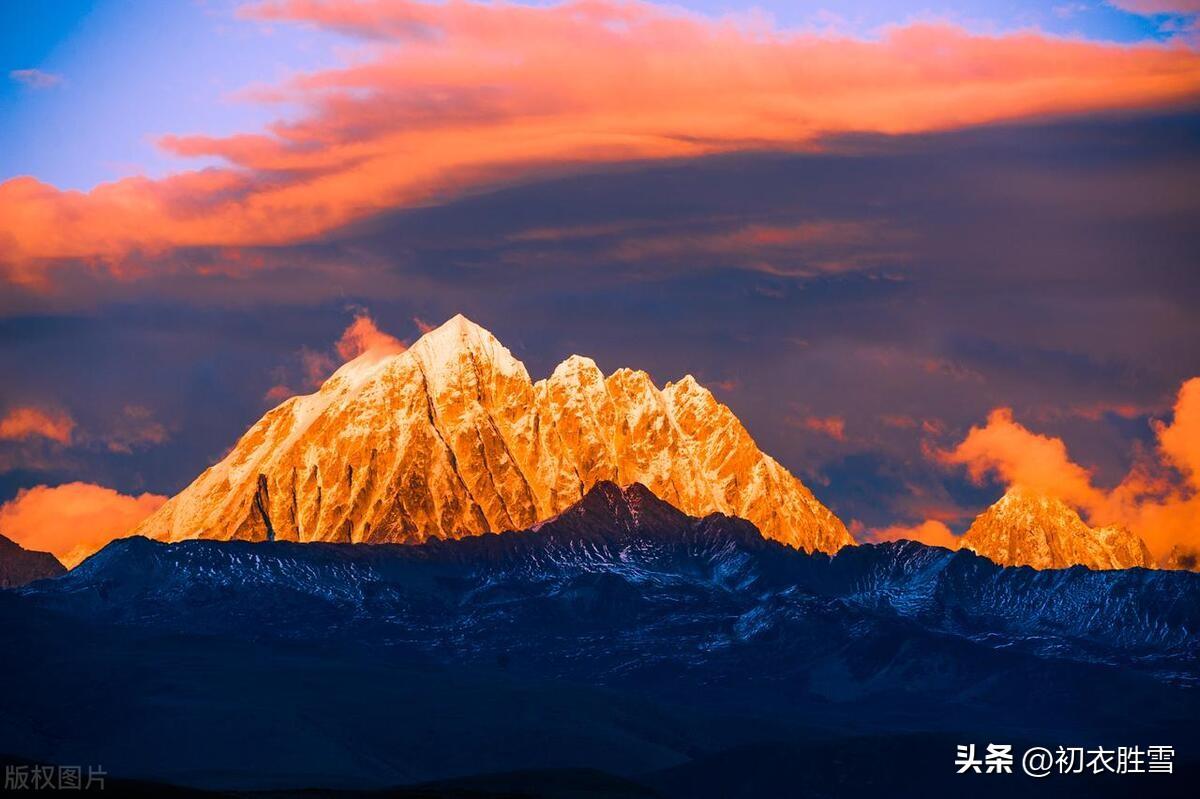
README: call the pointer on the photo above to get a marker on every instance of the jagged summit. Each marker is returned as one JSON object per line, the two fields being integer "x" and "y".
{"x": 451, "y": 437}
{"x": 1029, "y": 528}
{"x": 444, "y": 350}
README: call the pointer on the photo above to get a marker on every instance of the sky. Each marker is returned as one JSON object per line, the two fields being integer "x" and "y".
{"x": 923, "y": 250}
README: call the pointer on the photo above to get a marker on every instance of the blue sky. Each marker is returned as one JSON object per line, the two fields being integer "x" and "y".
{"x": 132, "y": 70}
{"x": 1095, "y": 19}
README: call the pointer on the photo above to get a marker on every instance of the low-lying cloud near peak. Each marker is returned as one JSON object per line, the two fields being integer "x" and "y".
{"x": 1159, "y": 499}
{"x": 930, "y": 531}
{"x": 73, "y": 520}
{"x": 362, "y": 337}
{"x": 1006, "y": 449}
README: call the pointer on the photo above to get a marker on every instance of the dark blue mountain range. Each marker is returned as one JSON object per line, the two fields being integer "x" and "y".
{"x": 673, "y": 655}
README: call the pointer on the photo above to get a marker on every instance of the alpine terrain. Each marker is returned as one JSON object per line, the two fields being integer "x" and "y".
{"x": 451, "y": 438}
{"x": 619, "y": 643}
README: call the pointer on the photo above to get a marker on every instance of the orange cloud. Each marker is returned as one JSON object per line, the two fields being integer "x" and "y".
{"x": 1095, "y": 411}
{"x": 27, "y": 422}
{"x": 1180, "y": 440}
{"x": 447, "y": 98}
{"x": 832, "y": 426}
{"x": 73, "y": 520}
{"x": 1009, "y": 451}
{"x": 363, "y": 336}
{"x": 931, "y": 532}
{"x": 278, "y": 393}
{"x": 1159, "y": 499}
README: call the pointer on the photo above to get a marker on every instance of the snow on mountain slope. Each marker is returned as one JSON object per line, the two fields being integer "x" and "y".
{"x": 452, "y": 438}
{"x": 1025, "y": 528}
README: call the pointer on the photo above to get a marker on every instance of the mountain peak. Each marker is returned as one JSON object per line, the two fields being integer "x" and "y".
{"x": 687, "y": 384}
{"x": 1032, "y": 507}
{"x": 632, "y": 506}
{"x": 617, "y": 514}
{"x": 19, "y": 565}
{"x": 452, "y": 438}
{"x": 455, "y": 334}
{"x": 573, "y": 366}
{"x": 459, "y": 344}
{"x": 1027, "y": 527}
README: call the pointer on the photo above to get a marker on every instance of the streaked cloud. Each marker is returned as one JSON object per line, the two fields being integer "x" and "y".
{"x": 36, "y": 78}
{"x": 441, "y": 100}
{"x": 27, "y": 422}
{"x": 832, "y": 426}
{"x": 133, "y": 428}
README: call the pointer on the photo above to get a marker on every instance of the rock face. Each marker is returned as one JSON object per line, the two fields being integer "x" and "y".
{"x": 1025, "y": 528}
{"x": 19, "y": 566}
{"x": 452, "y": 438}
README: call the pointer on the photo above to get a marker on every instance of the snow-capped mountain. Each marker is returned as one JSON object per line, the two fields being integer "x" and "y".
{"x": 1027, "y": 528}
{"x": 451, "y": 437}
